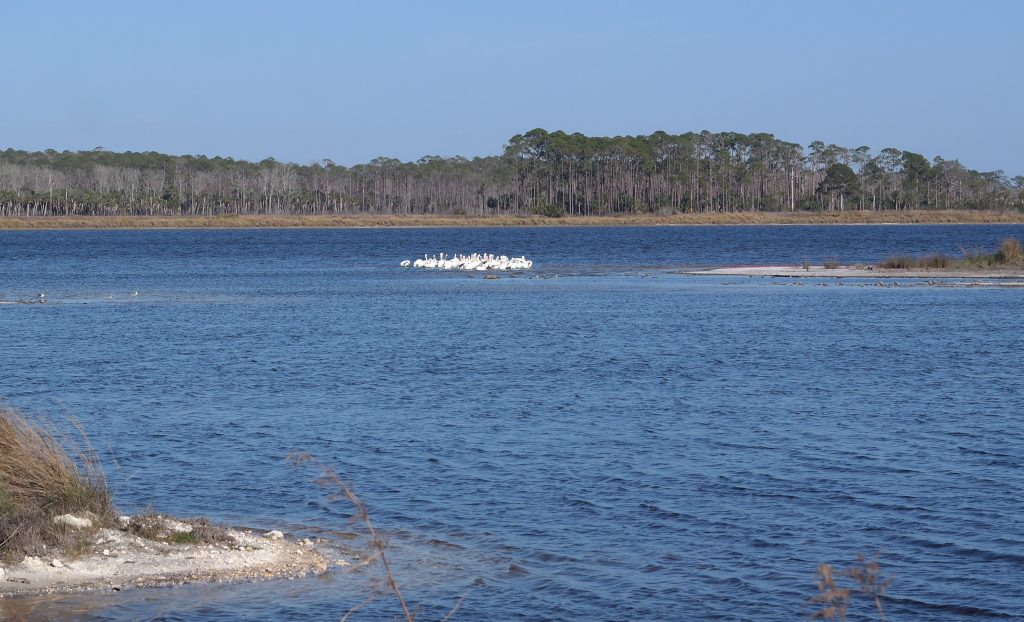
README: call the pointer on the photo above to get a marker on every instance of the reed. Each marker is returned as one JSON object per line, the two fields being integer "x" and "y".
{"x": 377, "y": 543}
{"x": 837, "y": 586}
{"x": 43, "y": 475}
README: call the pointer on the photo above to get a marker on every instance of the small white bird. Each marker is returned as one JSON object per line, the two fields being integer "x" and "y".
{"x": 42, "y": 297}
{"x": 135, "y": 293}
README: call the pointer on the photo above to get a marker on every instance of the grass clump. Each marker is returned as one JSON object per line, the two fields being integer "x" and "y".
{"x": 162, "y": 528}
{"x": 183, "y": 537}
{"x": 1009, "y": 255}
{"x": 44, "y": 475}
{"x": 832, "y": 264}
{"x": 1010, "y": 252}
{"x": 937, "y": 260}
{"x": 898, "y": 262}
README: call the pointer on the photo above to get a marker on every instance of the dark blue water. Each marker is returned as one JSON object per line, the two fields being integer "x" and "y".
{"x": 598, "y": 439}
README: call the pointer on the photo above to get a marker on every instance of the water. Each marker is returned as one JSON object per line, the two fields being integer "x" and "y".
{"x": 599, "y": 439}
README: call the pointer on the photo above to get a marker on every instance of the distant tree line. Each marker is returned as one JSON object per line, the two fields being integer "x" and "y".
{"x": 540, "y": 172}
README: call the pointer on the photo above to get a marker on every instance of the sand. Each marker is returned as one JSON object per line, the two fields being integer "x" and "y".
{"x": 125, "y": 561}
{"x": 1004, "y": 278}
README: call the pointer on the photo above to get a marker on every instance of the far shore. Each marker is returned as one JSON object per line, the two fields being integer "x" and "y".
{"x": 908, "y": 217}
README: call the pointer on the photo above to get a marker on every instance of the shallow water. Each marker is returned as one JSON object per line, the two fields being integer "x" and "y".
{"x": 596, "y": 439}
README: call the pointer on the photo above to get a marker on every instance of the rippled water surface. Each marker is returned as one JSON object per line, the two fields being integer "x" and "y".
{"x": 598, "y": 439}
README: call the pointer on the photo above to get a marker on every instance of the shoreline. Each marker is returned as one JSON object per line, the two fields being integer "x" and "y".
{"x": 130, "y": 561}
{"x": 910, "y": 217}
{"x": 862, "y": 272}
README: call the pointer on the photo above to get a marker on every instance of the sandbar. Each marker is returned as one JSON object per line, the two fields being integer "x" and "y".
{"x": 124, "y": 561}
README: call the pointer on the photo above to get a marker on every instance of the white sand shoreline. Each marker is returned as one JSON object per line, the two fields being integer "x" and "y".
{"x": 863, "y": 272}
{"x": 124, "y": 561}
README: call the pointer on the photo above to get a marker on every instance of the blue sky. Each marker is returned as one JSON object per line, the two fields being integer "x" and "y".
{"x": 301, "y": 81}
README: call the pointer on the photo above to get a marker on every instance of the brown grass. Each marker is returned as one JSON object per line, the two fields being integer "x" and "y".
{"x": 837, "y": 586}
{"x": 330, "y": 478}
{"x": 1009, "y": 255}
{"x": 899, "y": 262}
{"x": 427, "y": 220}
{"x": 907, "y": 262}
{"x": 1010, "y": 252}
{"x": 377, "y": 545}
{"x": 44, "y": 474}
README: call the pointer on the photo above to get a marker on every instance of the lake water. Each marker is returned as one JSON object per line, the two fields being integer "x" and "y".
{"x": 597, "y": 439}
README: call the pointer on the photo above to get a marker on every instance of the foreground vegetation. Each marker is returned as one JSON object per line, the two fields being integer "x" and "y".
{"x": 41, "y": 480}
{"x": 539, "y": 173}
{"x": 46, "y": 477}
{"x": 1009, "y": 255}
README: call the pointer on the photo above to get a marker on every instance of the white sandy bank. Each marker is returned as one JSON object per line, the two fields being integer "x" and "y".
{"x": 124, "y": 561}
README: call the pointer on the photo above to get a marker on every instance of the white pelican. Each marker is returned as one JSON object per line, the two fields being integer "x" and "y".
{"x": 475, "y": 261}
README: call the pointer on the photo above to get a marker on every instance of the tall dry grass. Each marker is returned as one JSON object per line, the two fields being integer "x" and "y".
{"x": 838, "y": 586}
{"x": 378, "y": 545}
{"x": 1010, "y": 252}
{"x": 44, "y": 474}
{"x": 432, "y": 220}
{"x": 1009, "y": 255}
{"x": 906, "y": 262}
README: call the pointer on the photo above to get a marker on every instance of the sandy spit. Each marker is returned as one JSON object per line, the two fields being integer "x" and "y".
{"x": 124, "y": 561}
{"x": 1007, "y": 278}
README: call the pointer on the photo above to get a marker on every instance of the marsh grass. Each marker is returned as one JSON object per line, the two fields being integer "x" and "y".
{"x": 430, "y": 220}
{"x": 832, "y": 264}
{"x": 1010, "y": 252}
{"x": 907, "y": 262}
{"x": 937, "y": 260}
{"x": 44, "y": 474}
{"x": 1009, "y": 255}
{"x": 898, "y": 262}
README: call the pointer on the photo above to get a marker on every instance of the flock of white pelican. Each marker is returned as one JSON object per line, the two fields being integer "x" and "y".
{"x": 476, "y": 261}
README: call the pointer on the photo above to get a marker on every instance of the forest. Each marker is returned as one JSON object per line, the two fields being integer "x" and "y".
{"x": 552, "y": 174}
